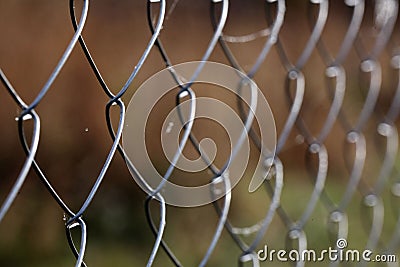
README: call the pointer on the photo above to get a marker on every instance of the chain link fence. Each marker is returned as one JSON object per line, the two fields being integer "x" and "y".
{"x": 312, "y": 88}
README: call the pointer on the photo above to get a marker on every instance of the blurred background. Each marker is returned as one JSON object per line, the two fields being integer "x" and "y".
{"x": 74, "y": 140}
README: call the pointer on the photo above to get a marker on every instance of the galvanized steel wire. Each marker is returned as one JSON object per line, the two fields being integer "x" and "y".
{"x": 335, "y": 70}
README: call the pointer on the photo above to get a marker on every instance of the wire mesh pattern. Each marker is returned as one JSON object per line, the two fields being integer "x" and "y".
{"x": 356, "y": 128}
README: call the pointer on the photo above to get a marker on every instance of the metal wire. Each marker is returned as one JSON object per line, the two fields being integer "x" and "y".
{"x": 317, "y": 150}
